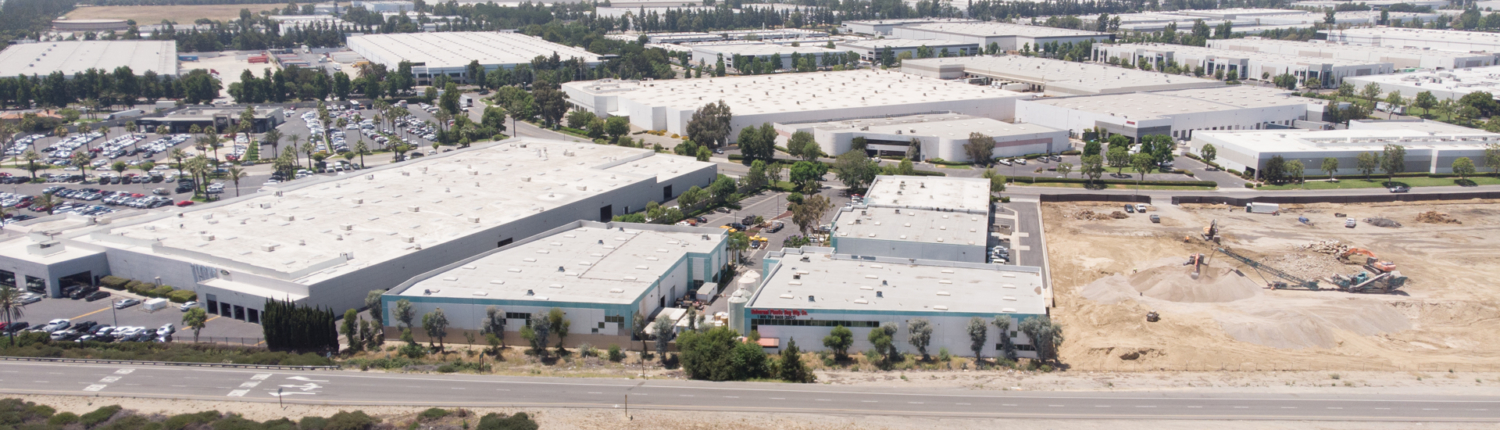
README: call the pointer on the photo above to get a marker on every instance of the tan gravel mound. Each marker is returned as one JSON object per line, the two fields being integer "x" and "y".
{"x": 1171, "y": 281}
{"x": 1279, "y": 324}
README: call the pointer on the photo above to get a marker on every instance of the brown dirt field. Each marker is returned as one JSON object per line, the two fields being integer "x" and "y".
{"x": 1445, "y": 318}
{"x": 145, "y": 15}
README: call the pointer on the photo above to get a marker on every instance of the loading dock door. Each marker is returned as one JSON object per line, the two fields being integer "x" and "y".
{"x": 606, "y": 213}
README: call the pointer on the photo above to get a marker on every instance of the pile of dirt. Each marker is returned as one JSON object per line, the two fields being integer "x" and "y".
{"x": 1331, "y": 247}
{"x": 1312, "y": 323}
{"x": 1435, "y": 217}
{"x": 1118, "y": 215}
{"x": 1086, "y": 215}
{"x": 1382, "y": 222}
{"x": 1171, "y": 281}
{"x": 1307, "y": 266}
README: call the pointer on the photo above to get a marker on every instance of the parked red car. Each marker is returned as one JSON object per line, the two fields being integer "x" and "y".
{"x": 185, "y": 203}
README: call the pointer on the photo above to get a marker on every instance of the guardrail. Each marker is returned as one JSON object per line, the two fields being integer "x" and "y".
{"x": 167, "y": 363}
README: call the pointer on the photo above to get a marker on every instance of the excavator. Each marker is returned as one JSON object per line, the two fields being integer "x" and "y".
{"x": 1197, "y": 261}
{"x": 1370, "y": 261}
{"x": 1211, "y": 232}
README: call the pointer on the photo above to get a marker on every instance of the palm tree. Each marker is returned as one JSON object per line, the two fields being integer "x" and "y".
{"x": 163, "y": 130}
{"x": 273, "y": 137}
{"x": 235, "y": 174}
{"x": 307, "y": 149}
{"x": 61, "y": 132}
{"x": 81, "y": 160}
{"x": 47, "y": 201}
{"x": 294, "y": 138}
{"x": 10, "y": 305}
{"x": 31, "y": 157}
{"x": 361, "y": 149}
{"x": 178, "y": 154}
{"x": 197, "y": 166}
{"x": 83, "y": 130}
{"x": 4, "y": 212}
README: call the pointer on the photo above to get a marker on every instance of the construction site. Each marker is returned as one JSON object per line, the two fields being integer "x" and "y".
{"x": 1387, "y": 286}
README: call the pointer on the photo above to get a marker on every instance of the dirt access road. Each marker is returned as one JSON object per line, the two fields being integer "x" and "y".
{"x": 1110, "y": 272}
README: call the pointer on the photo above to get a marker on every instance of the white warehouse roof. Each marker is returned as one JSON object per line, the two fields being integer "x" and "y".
{"x": 589, "y": 263}
{"x": 458, "y": 49}
{"x": 825, "y": 281}
{"x": 966, "y": 195}
{"x": 1058, "y": 76}
{"x": 71, "y": 58}
{"x": 1139, "y": 106}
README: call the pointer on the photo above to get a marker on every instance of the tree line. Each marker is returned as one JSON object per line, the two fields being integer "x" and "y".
{"x": 100, "y": 88}
{"x": 289, "y": 326}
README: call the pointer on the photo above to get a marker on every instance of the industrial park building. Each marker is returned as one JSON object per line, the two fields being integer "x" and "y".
{"x": 328, "y": 241}
{"x": 1327, "y": 72}
{"x": 1176, "y": 113}
{"x": 1419, "y": 38}
{"x": 1430, "y": 146}
{"x": 181, "y": 121}
{"x": 669, "y": 105}
{"x": 871, "y": 49}
{"x": 1443, "y": 84}
{"x": 884, "y": 27}
{"x": 599, "y": 274}
{"x": 930, "y": 218}
{"x": 709, "y": 54}
{"x": 808, "y": 291}
{"x": 1400, "y": 58}
{"x": 941, "y": 135}
{"x": 1009, "y": 37}
{"x": 1052, "y": 77}
{"x": 450, "y": 53}
{"x": 72, "y": 58}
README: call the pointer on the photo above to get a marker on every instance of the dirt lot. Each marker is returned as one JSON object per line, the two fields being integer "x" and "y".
{"x": 144, "y": 15}
{"x": 1110, "y": 272}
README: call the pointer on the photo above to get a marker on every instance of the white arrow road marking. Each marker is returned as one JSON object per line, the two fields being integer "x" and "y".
{"x": 95, "y": 387}
{"x": 305, "y": 379}
{"x": 261, "y": 376}
{"x": 238, "y": 393}
{"x": 250, "y": 384}
{"x": 124, "y": 371}
{"x": 309, "y": 387}
{"x": 289, "y": 394}
{"x": 108, "y": 379}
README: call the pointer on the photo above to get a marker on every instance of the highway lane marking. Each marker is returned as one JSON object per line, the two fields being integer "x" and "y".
{"x": 1101, "y": 406}
{"x": 915, "y": 403}
{"x": 40, "y": 382}
{"x": 824, "y": 400}
{"x": 1334, "y": 407}
{"x": 179, "y": 386}
{"x": 1138, "y": 406}
{"x": 818, "y": 410}
{"x": 90, "y": 313}
{"x": 731, "y": 397}
{"x": 110, "y": 379}
{"x": 595, "y": 392}
{"x": 1429, "y": 409}
{"x": 1242, "y": 407}
{"x": 459, "y": 388}
{"x": 260, "y": 376}
{"x": 685, "y": 395}
{"x": 1195, "y": 407}
{"x": 501, "y": 389}
{"x": 966, "y": 404}
{"x": 238, "y": 393}
{"x": 95, "y": 387}
{"x": 125, "y": 371}
{"x": 250, "y": 384}
{"x": 54, "y": 373}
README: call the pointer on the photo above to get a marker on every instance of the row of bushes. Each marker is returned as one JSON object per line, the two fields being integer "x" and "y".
{"x": 148, "y": 289}
{"x": 1035, "y": 180}
{"x": 17, "y": 413}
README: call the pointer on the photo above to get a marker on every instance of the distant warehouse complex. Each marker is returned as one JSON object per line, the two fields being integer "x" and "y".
{"x": 1176, "y": 113}
{"x": 1443, "y": 84}
{"x": 1430, "y": 146}
{"x": 915, "y": 249}
{"x": 1400, "y": 58}
{"x": 450, "y": 53}
{"x": 72, "y": 58}
{"x": 329, "y": 241}
{"x": 1008, "y": 37}
{"x": 1052, "y": 77}
{"x": 1325, "y": 72}
{"x": 1419, "y": 38}
{"x": 755, "y": 100}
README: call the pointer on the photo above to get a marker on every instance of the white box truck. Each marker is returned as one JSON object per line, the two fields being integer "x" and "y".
{"x": 1262, "y": 208}
{"x": 154, "y": 304}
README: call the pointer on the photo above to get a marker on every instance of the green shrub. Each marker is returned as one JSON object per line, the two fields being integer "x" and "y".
{"x": 519, "y": 421}
{"x": 615, "y": 354}
{"x": 41, "y": 411}
{"x": 313, "y": 423}
{"x": 133, "y": 286}
{"x": 162, "y": 291}
{"x": 99, "y": 415}
{"x": 133, "y": 422}
{"x": 183, "y": 296}
{"x": 1005, "y": 199}
{"x": 1072, "y": 152}
{"x": 63, "y": 419}
{"x": 356, "y": 420}
{"x": 736, "y": 157}
{"x": 1249, "y": 185}
{"x": 943, "y": 355}
{"x": 180, "y": 422}
{"x": 433, "y": 414}
{"x": 113, "y": 282}
{"x": 587, "y": 350}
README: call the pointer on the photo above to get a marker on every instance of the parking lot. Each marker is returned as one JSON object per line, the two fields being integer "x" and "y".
{"x": 218, "y": 329}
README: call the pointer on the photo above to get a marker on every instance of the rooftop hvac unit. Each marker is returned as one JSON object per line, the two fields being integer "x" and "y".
{"x": 268, "y": 247}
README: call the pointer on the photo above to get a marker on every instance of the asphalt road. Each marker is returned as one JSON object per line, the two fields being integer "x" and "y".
{"x": 352, "y": 388}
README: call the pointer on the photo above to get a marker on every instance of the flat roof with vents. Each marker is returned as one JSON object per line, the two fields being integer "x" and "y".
{"x": 961, "y": 195}
{"x": 308, "y": 229}
{"x": 449, "y": 50}
{"x": 584, "y": 262}
{"x": 1059, "y": 77}
{"x": 922, "y": 287}
{"x": 71, "y": 58}
{"x": 949, "y": 125}
{"x": 912, "y": 225}
{"x": 1161, "y": 104}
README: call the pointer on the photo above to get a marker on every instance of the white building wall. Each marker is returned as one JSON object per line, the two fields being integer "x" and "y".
{"x": 1181, "y": 125}
{"x": 947, "y": 332}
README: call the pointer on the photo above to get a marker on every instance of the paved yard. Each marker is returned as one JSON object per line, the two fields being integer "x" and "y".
{"x": 219, "y": 329}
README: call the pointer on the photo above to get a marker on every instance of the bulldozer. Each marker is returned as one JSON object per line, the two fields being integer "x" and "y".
{"x": 1153, "y": 316}
{"x": 1370, "y": 261}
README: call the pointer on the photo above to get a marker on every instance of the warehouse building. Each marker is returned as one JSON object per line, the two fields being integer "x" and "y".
{"x": 884, "y": 27}
{"x": 1443, "y": 84}
{"x": 1326, "y": 72}
{"x": 450, "y": 53}
{"x": 1175, "y": 113}
{"x": 1052, "y": 77}
{"x": 669, "y": 105}
{"x": 1400, "y": 58}
{"x": 1430, "y": 146}
{"x": 1009, "y": 37}
{"x": 266, "y": 118}
{"x": 327, "y": 241}
{"x": 72, "y": 58}
{"x": 94, "y": 25}
{"x": 600, "y": 274}
{"x": 931, "y": 218}
{"x": 871, "y": 49}
{"x": 1419, "y": 38}
{"x": 766, "y": 52}
{"x": 941, "y": 135}
{"x": 808, "y": 291}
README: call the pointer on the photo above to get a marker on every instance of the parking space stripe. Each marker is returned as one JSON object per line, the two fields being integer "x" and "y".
{"x": 212, "y": 318}
{"x": 90, "y": 313}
